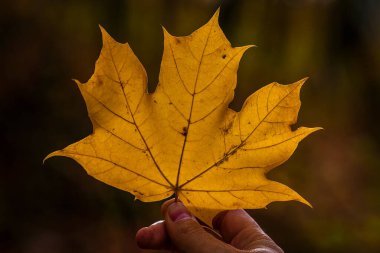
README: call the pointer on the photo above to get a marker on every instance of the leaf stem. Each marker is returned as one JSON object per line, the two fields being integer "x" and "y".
{"x": 176, "y": 194}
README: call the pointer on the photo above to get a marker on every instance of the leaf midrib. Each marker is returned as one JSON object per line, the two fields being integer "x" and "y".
{"x": 177, "y": 187}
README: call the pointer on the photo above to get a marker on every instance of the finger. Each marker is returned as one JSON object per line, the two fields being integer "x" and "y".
{"x": 153, "y": 237}
{"x": 241, "y": 231}
{"x": 231, "y": 223}
{"x": 186, "y": 234}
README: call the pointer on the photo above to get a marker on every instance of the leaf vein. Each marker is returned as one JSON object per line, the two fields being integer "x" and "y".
{"x": 218, "y": 74}
{"x": 107, "y": 108}
{"x": 116, "y": 164}
{"x": 113, "y": 134}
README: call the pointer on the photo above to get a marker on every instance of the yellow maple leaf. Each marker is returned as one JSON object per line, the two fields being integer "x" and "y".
{"x": 183, "y": 139}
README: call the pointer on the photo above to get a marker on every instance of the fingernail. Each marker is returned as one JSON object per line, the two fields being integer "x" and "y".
{"x": 157, "y": 222}
{"x": 177, "y": 211}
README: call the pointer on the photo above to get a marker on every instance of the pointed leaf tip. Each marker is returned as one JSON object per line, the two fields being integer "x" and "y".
{"x": 77, "y": 82}
{"x": 304, "y": 201}
{"x": 217, "y": 12}
{"x": 215, "y": 17}
{"x": 303, "y": 81}
{"x": 165, "y": 31}
{"x": 106, "y": 37}
{"x": 245, "y": 48}
{"x": 102, "y": 30}
{"x": 49, "y": 156}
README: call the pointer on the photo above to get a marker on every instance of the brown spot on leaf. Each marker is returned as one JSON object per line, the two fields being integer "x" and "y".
{"x": 184, "y": 131}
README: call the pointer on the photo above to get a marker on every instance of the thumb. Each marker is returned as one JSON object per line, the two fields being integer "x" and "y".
{"x": 187, "y": 234}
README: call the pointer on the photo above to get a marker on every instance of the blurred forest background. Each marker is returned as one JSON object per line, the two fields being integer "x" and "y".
{"x": 57, "y": 208}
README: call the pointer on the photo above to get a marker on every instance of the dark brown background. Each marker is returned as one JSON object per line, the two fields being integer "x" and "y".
{"x": 56, "y": 207}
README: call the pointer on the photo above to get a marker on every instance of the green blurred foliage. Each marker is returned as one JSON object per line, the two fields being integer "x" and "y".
{"x": 56, "y": 207}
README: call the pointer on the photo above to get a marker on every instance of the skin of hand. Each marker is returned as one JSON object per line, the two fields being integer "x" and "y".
{"x": 180, "y": 232}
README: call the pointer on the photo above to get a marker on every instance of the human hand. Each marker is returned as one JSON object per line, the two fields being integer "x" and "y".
{"x": 181, "y": 232}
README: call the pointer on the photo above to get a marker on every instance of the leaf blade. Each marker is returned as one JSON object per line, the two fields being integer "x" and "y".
{"x": 183, "y": 138}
